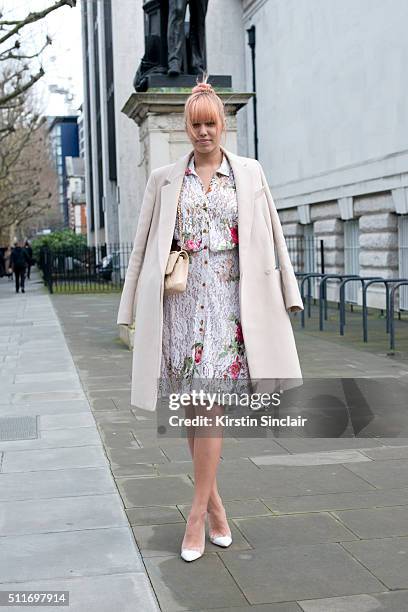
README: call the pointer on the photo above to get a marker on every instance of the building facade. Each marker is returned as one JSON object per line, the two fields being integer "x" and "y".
{"x": 330, "y": 117}
{"x": 75, "y": 167}
{"x": 64, "y": 142}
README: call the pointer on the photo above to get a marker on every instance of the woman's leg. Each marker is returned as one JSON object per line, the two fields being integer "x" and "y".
{"x": 206, "y": 445}
{"x": 215, "y": 505}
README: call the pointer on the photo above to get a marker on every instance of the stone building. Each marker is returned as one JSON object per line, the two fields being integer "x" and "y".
{"x": 331, "y": 123}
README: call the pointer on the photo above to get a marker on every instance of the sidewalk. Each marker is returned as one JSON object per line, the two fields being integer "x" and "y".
{"x": 319, "y": 525}
{"x": 63, "y": 526}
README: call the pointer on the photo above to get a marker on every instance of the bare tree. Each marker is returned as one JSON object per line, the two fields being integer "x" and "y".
{"x": 28, "y": 186}
{"x": 28, "y": 179}
{"x": 21, "y": 79}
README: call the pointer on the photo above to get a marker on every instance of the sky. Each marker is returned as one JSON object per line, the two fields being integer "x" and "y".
{"x": 62, "y": 60}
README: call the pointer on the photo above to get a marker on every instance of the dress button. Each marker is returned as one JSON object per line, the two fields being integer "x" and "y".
{"x": 201, "y": 306}
{"x": 203, "y": 284}
{"x": 206, "y": 262}
{"x": 205, "y": 246}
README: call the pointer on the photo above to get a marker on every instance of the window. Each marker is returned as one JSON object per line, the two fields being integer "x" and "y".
{"x": 351, "y": 257}
{"x": 403, "y": 258}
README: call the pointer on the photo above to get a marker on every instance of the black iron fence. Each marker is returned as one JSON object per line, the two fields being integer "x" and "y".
{"x": 85, "y": 269}
{"x": 103, "y": 268}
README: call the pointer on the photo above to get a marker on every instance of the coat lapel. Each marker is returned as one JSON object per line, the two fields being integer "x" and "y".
{"x": 170, "y": 193}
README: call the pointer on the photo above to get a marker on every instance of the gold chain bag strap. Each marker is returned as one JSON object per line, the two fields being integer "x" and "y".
{"x": 175, "y": 276}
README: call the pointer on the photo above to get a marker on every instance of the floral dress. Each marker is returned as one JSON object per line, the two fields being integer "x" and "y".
{"x": 202, "y": 335}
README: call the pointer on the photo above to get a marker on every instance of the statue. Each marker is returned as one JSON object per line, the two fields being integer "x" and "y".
{"x": 168, "y": 51}
{"x": 175, "y": 35}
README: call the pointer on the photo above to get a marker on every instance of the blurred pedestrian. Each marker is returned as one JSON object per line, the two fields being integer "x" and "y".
{"x": 19, "y": 260}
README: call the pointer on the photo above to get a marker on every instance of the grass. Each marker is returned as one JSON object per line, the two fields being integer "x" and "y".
{"x": 88, "y": 289}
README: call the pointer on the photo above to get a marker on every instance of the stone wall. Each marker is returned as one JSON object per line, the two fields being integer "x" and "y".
{"x": 378, "y": 240}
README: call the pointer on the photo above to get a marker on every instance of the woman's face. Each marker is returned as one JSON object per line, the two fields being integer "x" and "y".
{"x": 206, "y": 136}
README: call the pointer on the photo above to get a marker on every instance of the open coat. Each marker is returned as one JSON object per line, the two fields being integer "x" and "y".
{"x": 266, "y": 291}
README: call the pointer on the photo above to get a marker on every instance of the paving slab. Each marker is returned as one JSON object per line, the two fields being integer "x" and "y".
{"x": 306, "y": 445}
{"x": 291, "y": 481}
{"x": 236, "y": 509}
{"x": 55, "y": 483}
{"x": 54, "y": 459}
{"x": 379, "y": 602}
{"x": 386, "y": 558}
{"x": 279, "y": 607}
{"x": 298, "y": 572}
{"x": 387, "y": 453}
{"x": 163, "y": 491}
{"x": 56, "y": 438}
{"x": 312, "y": 458}
{"x": 127, "y": 455}
{"x": 66, "y": 421}
{"x": 61, "y": 514}
{"x": 154, "y": 515}
{"x": 193, "y": 586}
{"x": 70, "y": 553}
{"x": 291, "y": 530}
{"x": 337, "y": 501}
{"x": 123, "y": 592}
{"x": 368, "y": 523}
{"x": 383, "y": 474}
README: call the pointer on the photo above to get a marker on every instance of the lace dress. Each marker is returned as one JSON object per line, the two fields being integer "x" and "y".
{"x": 202, "y": 336}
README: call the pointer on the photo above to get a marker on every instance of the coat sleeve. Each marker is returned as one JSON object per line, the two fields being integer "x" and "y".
{"x": 126, "y": 306}
{"x": 291, "y": 293}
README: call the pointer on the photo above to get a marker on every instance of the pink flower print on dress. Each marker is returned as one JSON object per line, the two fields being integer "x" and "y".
{"x": 198, "y": 352}
{"x": 235, "y": 368}
{"x": 234, "y": 234}
{"x": 192, "y": 245}
{"x": 188, "y": 171}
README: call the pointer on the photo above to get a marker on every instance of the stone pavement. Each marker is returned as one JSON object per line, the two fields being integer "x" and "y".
{"x": 63, "y": 526}
{"x": 319, "y": 525}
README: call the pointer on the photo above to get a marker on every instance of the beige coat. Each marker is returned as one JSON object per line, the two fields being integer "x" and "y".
{"x": 266, "y": 292}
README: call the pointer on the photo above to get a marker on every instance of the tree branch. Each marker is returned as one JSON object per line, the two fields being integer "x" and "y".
{"x": 17, "y": 25}
{"x": 19, "y": 90}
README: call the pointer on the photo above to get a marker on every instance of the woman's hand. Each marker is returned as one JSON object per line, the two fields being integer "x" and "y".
{"x": 294, "y": 309}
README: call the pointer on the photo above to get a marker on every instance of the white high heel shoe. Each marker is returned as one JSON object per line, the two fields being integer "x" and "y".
{"x": 222, "y": 540}
{"x": 191, "y": 554}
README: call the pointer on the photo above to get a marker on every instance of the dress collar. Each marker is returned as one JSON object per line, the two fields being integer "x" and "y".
{"x": 224, "y": 167}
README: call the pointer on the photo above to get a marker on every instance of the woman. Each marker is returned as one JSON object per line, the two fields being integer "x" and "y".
{"x": 231, "y": 323}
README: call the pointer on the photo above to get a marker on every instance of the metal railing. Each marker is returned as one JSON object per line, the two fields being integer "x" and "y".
{"x": 85, "y": 269}
{"x": 103, "y": 268}
{"x": 391, "y": 286}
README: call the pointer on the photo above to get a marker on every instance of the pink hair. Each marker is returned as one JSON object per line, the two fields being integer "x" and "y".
{"x": 203, "y": 105}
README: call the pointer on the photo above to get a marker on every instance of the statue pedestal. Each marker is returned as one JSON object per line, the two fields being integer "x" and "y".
{"x": 159, "y": 115}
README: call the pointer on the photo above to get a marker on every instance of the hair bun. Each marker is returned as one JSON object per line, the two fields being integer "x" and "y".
{"x": 201, "y": 87}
